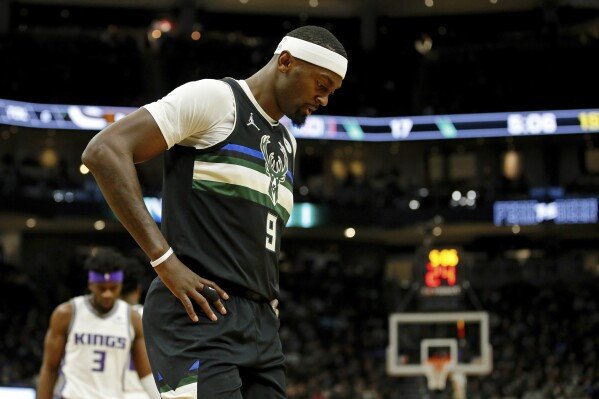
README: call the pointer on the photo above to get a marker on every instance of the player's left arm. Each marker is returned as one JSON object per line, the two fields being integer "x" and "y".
{"x": 140, "y": 357}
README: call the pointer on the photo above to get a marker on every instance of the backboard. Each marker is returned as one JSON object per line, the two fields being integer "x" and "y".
{"x": 417, "y": 339}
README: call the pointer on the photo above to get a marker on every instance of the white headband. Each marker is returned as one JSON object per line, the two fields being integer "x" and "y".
{"x": 314, "y": 54}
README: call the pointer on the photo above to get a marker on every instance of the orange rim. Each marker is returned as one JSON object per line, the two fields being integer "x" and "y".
{"x": 438, "y": 362}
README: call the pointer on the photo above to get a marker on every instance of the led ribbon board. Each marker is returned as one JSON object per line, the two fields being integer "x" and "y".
{"x": 531, "y": 212}
{"x": 430, "y": 127}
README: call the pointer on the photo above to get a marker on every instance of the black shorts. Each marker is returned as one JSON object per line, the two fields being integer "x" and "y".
{"x": 239, "y": 356}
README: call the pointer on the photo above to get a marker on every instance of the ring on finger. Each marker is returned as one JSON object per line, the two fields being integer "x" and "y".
{"x": 209, "y": 293}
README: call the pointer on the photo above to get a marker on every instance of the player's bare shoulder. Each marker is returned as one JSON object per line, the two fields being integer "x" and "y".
{"x": 65, "y": 309}
{"x": 136, "y": 321}
{"x": 61, "y": 316}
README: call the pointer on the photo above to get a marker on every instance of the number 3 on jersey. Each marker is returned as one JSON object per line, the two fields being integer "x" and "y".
{"x": 271, "y": 232}
{"x": 100, "y": 360}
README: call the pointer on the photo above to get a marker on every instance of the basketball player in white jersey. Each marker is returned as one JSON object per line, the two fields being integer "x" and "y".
{"x": 92, "y": 337}
{"x": 131, "y": 293}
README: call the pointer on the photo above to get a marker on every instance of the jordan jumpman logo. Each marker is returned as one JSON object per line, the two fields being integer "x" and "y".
{"x": 251, "y": 121}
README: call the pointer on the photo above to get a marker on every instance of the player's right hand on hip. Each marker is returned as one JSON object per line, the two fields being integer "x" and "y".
{"x": 188, "y": 286}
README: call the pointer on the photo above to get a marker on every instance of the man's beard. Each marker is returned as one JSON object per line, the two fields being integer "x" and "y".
{"x": 298, "y": 119}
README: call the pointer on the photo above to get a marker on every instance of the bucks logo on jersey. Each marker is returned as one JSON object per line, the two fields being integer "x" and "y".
{"x": 261, "y": 175}
{"x": 276, "y": 167}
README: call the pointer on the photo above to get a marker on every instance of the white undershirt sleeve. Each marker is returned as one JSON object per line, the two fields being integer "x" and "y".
{"x": 194, "y": 110}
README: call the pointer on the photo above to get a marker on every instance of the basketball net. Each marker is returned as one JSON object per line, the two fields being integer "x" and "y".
{"x": 437, "y": 368}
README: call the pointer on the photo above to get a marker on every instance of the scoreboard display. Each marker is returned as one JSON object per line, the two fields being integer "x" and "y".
{"x": 441, "y": 268}
{"x": 462, "y": 126}
{"x": 442, "y": 276}
{"x": 348, "y": 128}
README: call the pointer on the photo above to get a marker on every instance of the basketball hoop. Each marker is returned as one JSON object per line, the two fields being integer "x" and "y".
{"x": 439, "y": 359}
{"x": 436, "y": 370}
{"x": 437, "y": 365}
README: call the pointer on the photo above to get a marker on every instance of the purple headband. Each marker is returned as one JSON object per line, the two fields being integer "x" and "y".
{"x": 113, "y": 277}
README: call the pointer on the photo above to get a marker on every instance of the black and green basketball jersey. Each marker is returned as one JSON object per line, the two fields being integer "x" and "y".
{"x": 224, "y": 207}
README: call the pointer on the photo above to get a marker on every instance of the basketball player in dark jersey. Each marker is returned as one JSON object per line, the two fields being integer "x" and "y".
{"x": 227, "y": 195}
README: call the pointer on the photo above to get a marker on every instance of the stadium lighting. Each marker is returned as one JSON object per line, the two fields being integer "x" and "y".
{"x": 164, "y": 25}
{"x": 99, "y": 225}
{"x": 350, "y": 232}
{"x": 31, "y": 223}
{"x": 69, "y": 196}
{"x": 83, "y": 169}
{"x": 48, "y": 158}
{"x": 456, "y": 195}
{"x": 58, "y": 196}
{"x": 424, "y": 44}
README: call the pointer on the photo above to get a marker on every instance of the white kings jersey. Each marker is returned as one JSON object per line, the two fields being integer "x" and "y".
{"x": 97, "y": 351}
{"x": 133, "y": 387}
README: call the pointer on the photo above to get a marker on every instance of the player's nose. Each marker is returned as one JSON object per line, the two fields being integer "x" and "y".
{"x": 322, "y": 100}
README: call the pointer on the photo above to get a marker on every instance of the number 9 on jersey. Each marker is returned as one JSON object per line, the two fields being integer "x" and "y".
{"x": 271, "y": 232}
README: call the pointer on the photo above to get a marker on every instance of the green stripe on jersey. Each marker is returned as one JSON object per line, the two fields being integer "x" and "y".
{"x": 235, "y": 191}
{"x": 247, "y": 178}
{"x": 241, "y": 162}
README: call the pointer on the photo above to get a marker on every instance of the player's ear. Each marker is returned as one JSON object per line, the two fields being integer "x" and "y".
{"x": 284, "y": 62}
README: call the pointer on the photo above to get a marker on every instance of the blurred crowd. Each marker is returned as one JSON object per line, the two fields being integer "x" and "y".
{"x": 334, "y": 332}
{"x": 379, "y": 176}
{"x": 71, "y": 67}
{"x": 462, "y": 68}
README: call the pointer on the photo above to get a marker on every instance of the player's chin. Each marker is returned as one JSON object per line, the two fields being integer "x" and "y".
{"x": 298, "y": 119}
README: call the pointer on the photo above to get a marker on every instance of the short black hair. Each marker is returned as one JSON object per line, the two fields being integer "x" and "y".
{"x": 105, "y": 260}
{"x": 319, "y": 35}
{"x": 133, "y": 275}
